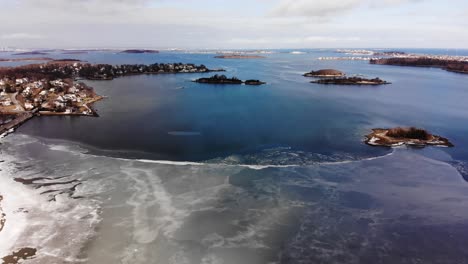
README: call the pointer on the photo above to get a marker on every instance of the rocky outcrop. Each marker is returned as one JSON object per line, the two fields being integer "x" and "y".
{"x": 405, "y": 136}
{"x": 351, "y": 81}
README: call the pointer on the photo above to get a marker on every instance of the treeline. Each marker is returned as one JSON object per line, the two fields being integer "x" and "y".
{"x": 97, "y": 71}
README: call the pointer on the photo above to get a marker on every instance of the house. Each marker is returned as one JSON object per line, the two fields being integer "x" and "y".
{"x": 27, "y": 92}
{"x": 57, "y": 82}
{"x": 7, "y": 102}
{"x": 28, "y": 106}
{"x": 72, "y": 89}
{"x": 59, "y": 104}
{"x": 21, "y": 81}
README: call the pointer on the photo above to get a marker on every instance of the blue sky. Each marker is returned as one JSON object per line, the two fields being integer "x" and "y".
{"x": 234, "y": 24}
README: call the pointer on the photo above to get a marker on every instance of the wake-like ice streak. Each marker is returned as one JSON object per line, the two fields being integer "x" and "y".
{"x": 154, "y": 211}
{"x": 189, "y": 163}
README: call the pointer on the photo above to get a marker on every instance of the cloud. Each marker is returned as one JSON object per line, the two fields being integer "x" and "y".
{"x": 322, "y": 8}
{"x": 239, "y": 24}
{"x": 20, "y": 36}
{"x": 83, "y": 7}
{"x": 294, "y": 41}
{"x": 330, "y": 39}
{"x": 312, "y": 8}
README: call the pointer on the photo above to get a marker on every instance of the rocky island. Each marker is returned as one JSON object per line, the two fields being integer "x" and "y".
{"x": 351, "y": 81}
{"x": 238, "y": 56}
{"x": 453, "y": 65}
{"x": 222, "y": 79}
{"x": 51, "y": 88}
{"x": 139, "y": 51}
{"x": 325, "y": 73}
{"x": 254, "y": 82}
{"x": 405, "y": 136}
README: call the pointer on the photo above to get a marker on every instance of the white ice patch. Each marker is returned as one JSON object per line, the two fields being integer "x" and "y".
{"x": 188, "y": 163}
{"x": 58, "y": 230}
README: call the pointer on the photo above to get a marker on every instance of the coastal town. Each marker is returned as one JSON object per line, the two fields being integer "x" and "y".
{"x": 22, "y": 98}
{"x": 458, "y": 64}
{"x": 52, "y": 88}
{"x": 46, "y": 95}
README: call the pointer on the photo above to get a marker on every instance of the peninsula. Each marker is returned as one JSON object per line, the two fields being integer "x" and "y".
{"x": 351, "y": 81}
{"x": 405, "y": 136}
{"x": 69, "y": 68}
{"x": 222, "y": 79}
{"x": 325, "y": 73}
{"x": 453, "y": 65}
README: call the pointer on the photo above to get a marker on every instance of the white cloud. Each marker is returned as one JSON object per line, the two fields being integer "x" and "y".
{"x": 321, "y": 8}
{"x": 310, "y": 41}
{"x": 240, "y": 24}
{"x": 330, "y": 39}
{"x": 313, "y": 8}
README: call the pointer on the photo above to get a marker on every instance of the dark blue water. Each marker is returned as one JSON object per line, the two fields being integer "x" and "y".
{"x": 170, "y": 117}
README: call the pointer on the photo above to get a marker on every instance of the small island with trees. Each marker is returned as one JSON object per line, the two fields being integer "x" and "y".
{"x": 400, "y": 136}
{"x": 222, "y": 79}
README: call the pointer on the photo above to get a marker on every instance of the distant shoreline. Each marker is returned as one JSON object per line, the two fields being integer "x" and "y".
{"x": 235, "y": 56}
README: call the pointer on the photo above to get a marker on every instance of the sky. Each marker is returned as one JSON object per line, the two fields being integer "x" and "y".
{"x": 239, "y": 24}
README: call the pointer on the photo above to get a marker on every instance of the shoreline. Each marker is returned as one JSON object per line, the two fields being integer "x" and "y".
{"x": 67, "y": 222}
{"x": 9, "y": 127}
